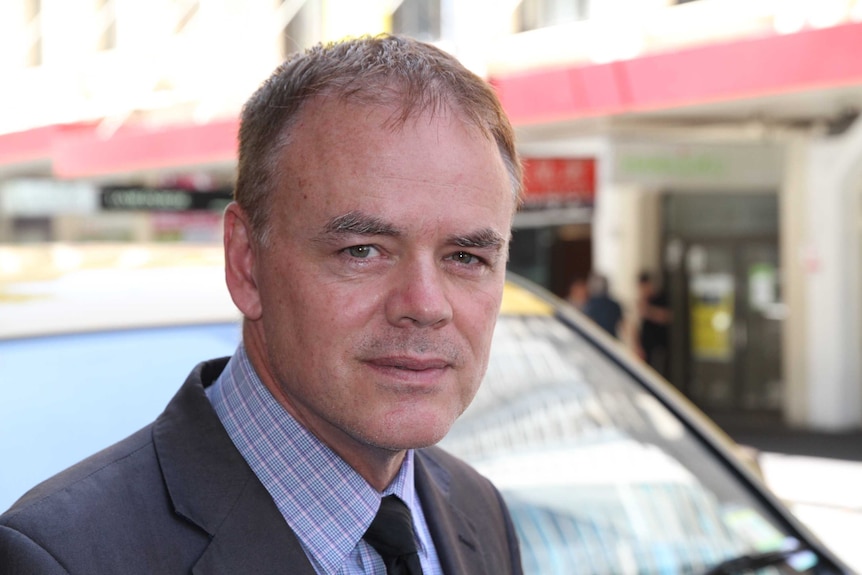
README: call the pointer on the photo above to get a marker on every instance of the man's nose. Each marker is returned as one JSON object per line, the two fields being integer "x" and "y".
{"x": 419, "y": 296}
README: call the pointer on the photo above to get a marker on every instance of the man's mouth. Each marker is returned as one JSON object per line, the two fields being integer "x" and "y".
{"x": 410, "y": 363}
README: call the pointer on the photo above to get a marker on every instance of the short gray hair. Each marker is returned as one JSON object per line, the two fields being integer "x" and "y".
{"x": 416, "y": 76}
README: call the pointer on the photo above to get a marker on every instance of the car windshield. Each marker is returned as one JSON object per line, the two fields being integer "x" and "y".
{"x": 600, "y": 476}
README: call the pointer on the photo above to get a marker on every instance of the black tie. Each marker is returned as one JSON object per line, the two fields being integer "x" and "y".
{"x": 391, "y": 535}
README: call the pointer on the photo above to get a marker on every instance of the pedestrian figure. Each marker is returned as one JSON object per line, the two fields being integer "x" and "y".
{"x": 655, "y": 318}
{"x": 601, "y": 307}
{"x": 578, "y": 293}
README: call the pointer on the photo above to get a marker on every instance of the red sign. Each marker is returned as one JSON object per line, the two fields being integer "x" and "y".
{"x": 551, "y": 181}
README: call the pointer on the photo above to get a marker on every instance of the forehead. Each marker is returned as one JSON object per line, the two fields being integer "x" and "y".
{"x": 335, "y": 144}
{"x": 386, "y": 112}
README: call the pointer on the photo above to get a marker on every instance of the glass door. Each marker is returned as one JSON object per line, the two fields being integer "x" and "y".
{"x": 727, "y": 296}
{"x": 762, "y": 312}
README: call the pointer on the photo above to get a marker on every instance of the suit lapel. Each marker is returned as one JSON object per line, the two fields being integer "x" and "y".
{"x": 454, "y": 535}
{"x": 211, "y": 485}
{"x": 246, "y": 541}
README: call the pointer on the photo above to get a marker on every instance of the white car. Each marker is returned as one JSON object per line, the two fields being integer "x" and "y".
{"x": 605, "y": 467}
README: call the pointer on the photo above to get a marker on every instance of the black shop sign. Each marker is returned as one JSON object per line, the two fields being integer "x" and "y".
{"x": 139, "y": 198}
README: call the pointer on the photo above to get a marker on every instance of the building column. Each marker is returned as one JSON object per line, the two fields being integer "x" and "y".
{"x": 832, "y": 252}
{"x": 795, "y": 266}
{"x": 626, "y": 239}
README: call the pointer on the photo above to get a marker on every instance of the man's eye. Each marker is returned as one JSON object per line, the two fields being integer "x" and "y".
{"x": 360, "y": 251}
{"x": 465, "y": 258}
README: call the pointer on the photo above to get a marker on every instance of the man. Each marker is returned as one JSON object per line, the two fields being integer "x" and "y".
{"x": 655, "y": 319}
{"x": 366, "y": 249}
{"x": 600, "y": 307}
{"x": 578, "y": 293}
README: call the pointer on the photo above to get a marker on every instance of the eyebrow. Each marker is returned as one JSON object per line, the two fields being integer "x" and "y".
{"x": 359, "y": 224}
{"x": 481, "y": 239}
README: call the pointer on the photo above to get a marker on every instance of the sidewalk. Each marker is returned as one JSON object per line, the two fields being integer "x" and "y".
{"x": 819, "y": 476}
{"x": 775, "y": 438}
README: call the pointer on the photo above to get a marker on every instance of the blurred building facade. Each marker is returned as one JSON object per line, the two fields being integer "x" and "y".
{"x": 712, "y": 142}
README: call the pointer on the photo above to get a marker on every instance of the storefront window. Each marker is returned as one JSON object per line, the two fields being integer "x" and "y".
{"x": 418, "y": 19}
{"x": 533, "y": 14}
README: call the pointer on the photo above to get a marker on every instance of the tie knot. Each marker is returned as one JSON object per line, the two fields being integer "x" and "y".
{"x": 391, "y": 535}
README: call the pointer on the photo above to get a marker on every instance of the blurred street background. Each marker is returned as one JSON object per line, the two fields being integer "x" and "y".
{"x": 817, "y": 474}
{"x": 711, "y": 146}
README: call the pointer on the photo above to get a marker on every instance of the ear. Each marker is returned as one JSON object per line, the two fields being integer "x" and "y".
{"x": 240, "y": 262}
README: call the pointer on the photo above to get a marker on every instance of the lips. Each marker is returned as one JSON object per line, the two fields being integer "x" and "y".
{"x": 407, "y": 373}
{"x": 409, "y": 363}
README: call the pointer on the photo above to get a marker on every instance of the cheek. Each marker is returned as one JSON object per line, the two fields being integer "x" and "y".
{"x": 324, "y": 316}
{"x": 477, "y": 329}
{"x": 479, "y": 316}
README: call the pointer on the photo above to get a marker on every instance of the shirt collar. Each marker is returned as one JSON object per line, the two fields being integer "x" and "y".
{"x": 324, "y": 500}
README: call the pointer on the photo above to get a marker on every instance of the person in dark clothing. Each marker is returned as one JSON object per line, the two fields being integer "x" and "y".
{"x": 578, "y": 293}
{"x": 655, "y": 318}
{"x": 601, "y": 307}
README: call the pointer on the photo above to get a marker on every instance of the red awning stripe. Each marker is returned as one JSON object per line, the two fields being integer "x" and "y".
{"x": 775, "y": 64}
{"x": 135, "y": 149}
{"x": 37, "y": 144}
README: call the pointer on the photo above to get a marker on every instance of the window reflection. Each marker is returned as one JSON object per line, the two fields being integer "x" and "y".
{"x": 599, "y": 475}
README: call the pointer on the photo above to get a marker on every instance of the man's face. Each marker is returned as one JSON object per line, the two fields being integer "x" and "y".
{"x": 382, "y": 278}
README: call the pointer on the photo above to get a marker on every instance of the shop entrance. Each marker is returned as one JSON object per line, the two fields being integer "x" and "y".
{"x": 727, "y": 304}
{"x": 552, "y": 256}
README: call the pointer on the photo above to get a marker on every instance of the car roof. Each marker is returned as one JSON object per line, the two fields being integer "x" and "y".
{"x": 63, "y": 288}
{"x": 52, "y": 289}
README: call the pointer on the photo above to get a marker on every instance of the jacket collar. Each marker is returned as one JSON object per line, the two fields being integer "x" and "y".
{"x": 211, "y": 486}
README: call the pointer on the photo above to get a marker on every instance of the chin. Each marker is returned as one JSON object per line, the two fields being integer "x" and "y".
{"x": 415, "y": 433}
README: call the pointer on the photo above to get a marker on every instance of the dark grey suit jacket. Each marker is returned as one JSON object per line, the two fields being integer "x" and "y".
{"x": 177, "y": 497}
